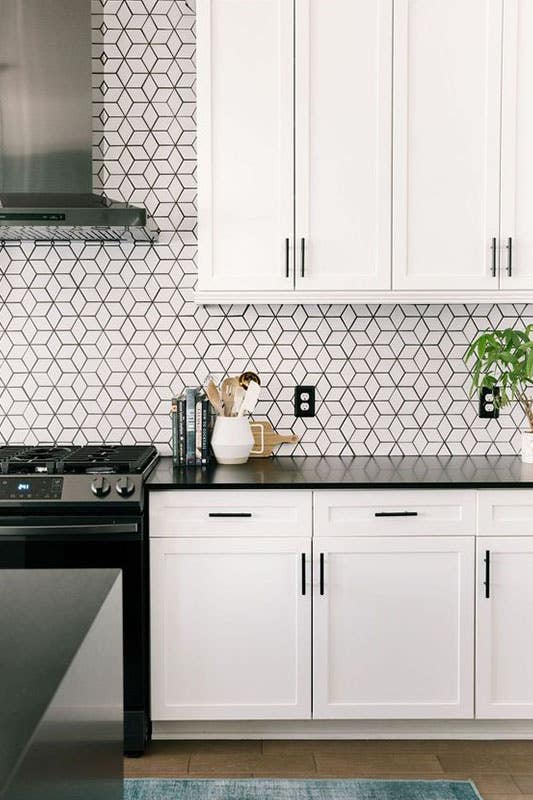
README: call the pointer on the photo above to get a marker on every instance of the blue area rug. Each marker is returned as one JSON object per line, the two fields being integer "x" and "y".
{"x": 258, "y": 789}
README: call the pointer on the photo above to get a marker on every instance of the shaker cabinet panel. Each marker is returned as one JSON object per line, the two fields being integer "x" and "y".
{"x": 506, "y": 512}
{"x": 517, "y": 152}
{"x": 231, "y": 512}
{"x": 446, "y": 192}
{"x": 343, "y": 144}
{"x": 504, "y": 686}
{"x": 393, "y": 627}
{"x": 245, "y": 143}
{"x": 398, "y": 512}
{"x": 231, "y": 628}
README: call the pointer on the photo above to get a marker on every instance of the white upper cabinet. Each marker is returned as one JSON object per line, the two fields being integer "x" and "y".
{"x": 294, "y": 148}
{"x": 343, "y": 144}
{"x": 245, "y": 143}
{"x": 365, "y": 150}
{"x": 517, "y": 150}
{"x": 447, "y": 68}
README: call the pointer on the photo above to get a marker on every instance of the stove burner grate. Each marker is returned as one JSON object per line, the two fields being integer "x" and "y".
{"x": 59, "y": 459}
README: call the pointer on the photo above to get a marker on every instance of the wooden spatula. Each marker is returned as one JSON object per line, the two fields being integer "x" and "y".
{"x": 214, "y": 397}
{"x": 227, "y": 391}
{"x": 266, "y": 439}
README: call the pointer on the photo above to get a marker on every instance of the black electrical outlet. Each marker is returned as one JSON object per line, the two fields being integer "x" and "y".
{"x": 488, "y": 403}
{"x": 304, "y": 401}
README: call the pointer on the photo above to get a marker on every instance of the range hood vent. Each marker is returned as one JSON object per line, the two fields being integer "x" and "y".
{"x": 46, "y": 191}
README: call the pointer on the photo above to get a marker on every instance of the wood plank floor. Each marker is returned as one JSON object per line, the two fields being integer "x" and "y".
{"x": 501, "y": 770}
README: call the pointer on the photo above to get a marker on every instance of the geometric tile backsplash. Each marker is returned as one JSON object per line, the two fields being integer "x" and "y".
{"x": 95, "y": 339}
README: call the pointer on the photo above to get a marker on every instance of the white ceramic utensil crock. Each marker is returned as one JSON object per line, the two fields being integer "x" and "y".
{"x": 232, "y": 440}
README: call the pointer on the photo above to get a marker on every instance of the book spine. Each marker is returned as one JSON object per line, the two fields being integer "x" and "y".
{"x": 190, "y": 426}
{"x": 174, "y": 422}
{"x": 211, "y": 417}
{"x": 181, "y": 433}
{"x": 205, "y": 430}
{"x": 198, "y": 437}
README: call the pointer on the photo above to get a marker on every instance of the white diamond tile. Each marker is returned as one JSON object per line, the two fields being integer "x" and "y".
{"x": 95, "y": 339}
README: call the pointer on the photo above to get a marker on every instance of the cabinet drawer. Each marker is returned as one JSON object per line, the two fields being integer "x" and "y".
{"x": 395, "y": 511}
{"x": 505, "y": 512}
{"x": 231, "y": 513}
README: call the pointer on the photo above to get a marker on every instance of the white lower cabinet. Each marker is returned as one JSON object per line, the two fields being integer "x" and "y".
{"x": 231, "y": 628}
{"x": 504, "y": 685}
{"x": 393, "y": 627}
{"x": 362, "y": 609}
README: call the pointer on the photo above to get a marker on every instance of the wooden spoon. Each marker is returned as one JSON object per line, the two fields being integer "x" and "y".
{"x": 247, "y": 377}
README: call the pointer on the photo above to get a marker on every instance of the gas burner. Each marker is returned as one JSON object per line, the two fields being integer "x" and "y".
{"x": 110, "y": 458}
{"x": 41, "y": 459}
{"x": 42, "y": 453}
{"x": 102, "y": 453}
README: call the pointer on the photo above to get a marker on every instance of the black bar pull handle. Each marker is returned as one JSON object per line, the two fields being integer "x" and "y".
{"x": 493, "y": 249}
{"x": 230, "y": 514}
{"x": 486, "y": 582}
{"x": 303, "y": 575}
{"x": 287, "y": 258}
{"x": 396, "y": 514}
{"x": 322, "y": 573}
{"x": 510, "y": 256}
{"x": 302, "y": 265}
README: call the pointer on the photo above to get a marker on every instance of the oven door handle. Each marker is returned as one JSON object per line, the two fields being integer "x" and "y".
{"x": 66, "y": 531}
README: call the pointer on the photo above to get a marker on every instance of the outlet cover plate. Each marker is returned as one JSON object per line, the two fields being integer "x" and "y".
{"x": 488, "y": 408}
{"x": 304, "y": 401}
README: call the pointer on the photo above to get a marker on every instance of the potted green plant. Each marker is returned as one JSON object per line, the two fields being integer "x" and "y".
{"x": 504, "y": 358}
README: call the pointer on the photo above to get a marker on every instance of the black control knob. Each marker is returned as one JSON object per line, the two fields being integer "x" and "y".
{"x": 125, "y": 487}
{"x": 100, "y": 487}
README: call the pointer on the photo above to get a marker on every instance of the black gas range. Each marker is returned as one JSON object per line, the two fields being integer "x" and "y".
{"x": 110, "y": 472}
{"x": 82, "y": 507}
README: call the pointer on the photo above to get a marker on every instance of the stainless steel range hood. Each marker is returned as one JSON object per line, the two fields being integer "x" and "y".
{"x": 46, "y": 129}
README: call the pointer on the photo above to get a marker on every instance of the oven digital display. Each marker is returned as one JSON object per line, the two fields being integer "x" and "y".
{"x": 29, "y": 489}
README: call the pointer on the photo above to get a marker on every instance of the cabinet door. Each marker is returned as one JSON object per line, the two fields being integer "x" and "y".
{"x": 504, "y": 663}
{"x": 231, "y": 628}
{"x": 394, "y": 627}
{"x": 245, "y": 143}
{"x": 446, "y": 143}
{"x": 343, "y": 144}
{"x": 517, "y": 151}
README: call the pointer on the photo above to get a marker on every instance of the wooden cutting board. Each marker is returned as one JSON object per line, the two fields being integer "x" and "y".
{"x": 266, "y": 438}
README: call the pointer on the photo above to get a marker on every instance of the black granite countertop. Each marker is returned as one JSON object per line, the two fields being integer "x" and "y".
{"x": 330, "y": 472}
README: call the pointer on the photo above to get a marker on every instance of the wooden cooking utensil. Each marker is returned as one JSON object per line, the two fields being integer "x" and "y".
{"x": 247, "y": 377}
{"x": 266, "y": 439}
{"x": 250, "y": 399}
{"x": 240, "y": 394}
{"x": 214, "y": 397}
{"x": 227, "y": 390}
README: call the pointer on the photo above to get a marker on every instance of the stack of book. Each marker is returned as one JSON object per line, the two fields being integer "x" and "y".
{"x": 191, "y": 428}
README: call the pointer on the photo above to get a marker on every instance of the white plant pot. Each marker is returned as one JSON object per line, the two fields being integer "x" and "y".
{"x": 232, "y": 440}
{"x": 527, "y": 447}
